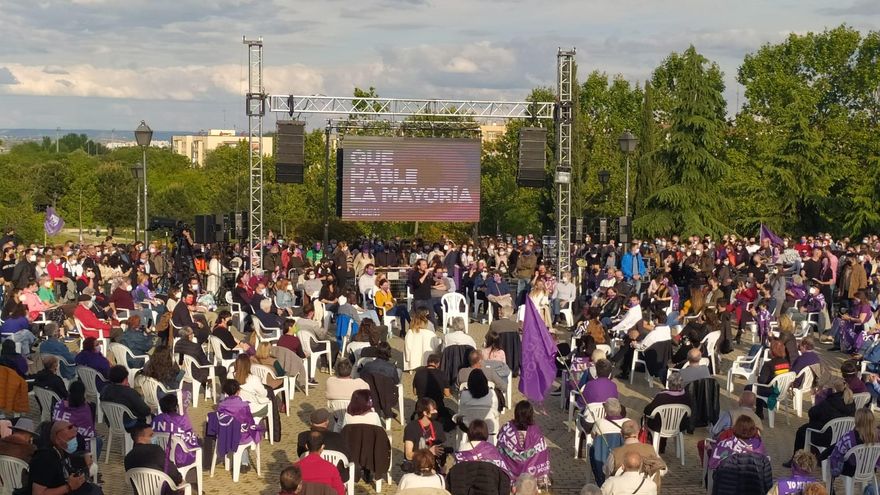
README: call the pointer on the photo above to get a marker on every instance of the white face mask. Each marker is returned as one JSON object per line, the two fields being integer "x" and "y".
{"x": 699, "y": 253}
{"x": 152, "y": 250}
{"x": 42, "y": 264}
{"x": 312, "y": 276}
{"x": 195, "y": 287}
{"x": 32, "y": 258}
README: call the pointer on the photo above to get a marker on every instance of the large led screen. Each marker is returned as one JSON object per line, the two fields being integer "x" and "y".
{"x": 409, "y": 179}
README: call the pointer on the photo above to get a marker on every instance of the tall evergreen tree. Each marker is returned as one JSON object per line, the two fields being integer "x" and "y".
{"x": 691, "y": 202}
{"x": 649, "y": 176}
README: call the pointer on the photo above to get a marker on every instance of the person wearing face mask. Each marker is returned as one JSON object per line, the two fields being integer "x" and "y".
{"x": 563, "y": 295}
{"x": 478, "y": 285}
{"x": 92, "y": 326}
{"x": 498, "y": 293}
{"x": 633, "y": 267}
{"x": 425, "y": 429}
{"x": 57, "y": 468}
{"x": 145, "y": 453}
{"x": 184, "y": 315}
{"x": 362, "y": 261}
{"x": 526, "y": 264}
{"x": 387, "y": 305}
{"x": 122, "y": 298}
{"x": 342, "y": 260}
{"x": 311, "y": 285}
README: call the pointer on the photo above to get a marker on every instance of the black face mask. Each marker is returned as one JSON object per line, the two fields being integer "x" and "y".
{"x": 433, "y": 416}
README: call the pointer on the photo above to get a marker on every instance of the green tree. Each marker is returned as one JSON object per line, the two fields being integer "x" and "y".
{"x": 691, "y": 203}
{"x": 649, "y": 176}
{"x": 118, "y": 190}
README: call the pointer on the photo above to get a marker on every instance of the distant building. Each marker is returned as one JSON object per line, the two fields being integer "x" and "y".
{"x": 491, "y": 132}
{"x": 197, "y": 147}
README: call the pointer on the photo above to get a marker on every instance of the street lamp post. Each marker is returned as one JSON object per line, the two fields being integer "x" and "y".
{"x": 604, "y": 177}
{"x": 137, "y": 172}
{"x": 143, "y": 135}
{"x": 628, "y": 144}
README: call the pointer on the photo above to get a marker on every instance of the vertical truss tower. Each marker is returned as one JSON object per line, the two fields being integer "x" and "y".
{"x": 565, "y": 80}
{"x": 256, "y": 109}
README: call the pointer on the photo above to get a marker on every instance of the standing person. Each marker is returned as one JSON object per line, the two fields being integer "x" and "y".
{"x": 420, "y": 283}
{"x": 633, "y": 267}
{"x": 342, "y": 261}
{"x": 526, "y": 263}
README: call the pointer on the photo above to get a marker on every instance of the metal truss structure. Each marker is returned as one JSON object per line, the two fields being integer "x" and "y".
{"x": 565, "y": 81}
{"x": 256, "y": 109}
{"x": 374, "y": 110}
{"x": 398, "y": 107}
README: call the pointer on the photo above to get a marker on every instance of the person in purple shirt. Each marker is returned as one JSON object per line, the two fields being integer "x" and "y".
{"x": 91, "y": 357}
{"x": 601, "y": 388}
{"x": 807, "y": 358}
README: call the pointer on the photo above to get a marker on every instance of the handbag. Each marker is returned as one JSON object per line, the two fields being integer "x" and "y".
{"x": 644, "y": 433}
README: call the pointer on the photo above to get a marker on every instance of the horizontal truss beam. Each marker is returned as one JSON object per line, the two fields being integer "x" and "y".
{"x": 399, "y": 107}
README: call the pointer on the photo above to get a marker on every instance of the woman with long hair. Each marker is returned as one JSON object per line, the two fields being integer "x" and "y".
{"x": 367, "y": 336}
{"x": 264, "y": 357}
{"x": 252, "y": 389}
{"x": 284, "y": 298}
{"x": 493, "y": 351}
{"x": 523, "y": 446}
{"x": 360, "y": 410}
{"x": 163, "y": 368}
{"x": 541, "y": 298}
{"x": 865, "y": 433}
{"x": 424, "y": 474}
{"x": 420, "y": 342}
{"x": 849, "y": 330}
{"x": 76, "y": 411}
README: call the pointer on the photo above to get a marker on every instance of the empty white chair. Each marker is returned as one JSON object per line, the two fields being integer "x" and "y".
{"x": 635, "y": 361}
{"x": 670, "y": 426}
{"x": 189, "y": 364}
{"x": 335, "y": 457}
{"x": 711, "y": 343}
{"x": 265, "y": 334}
{"x": 746, "y": 367}
{"x": 115, "y": 417}
{"x": 454, "y": 305}
{"x": 45, "y": 399}
{"x": 307, "y": 337}
{"x": 782, "y": 383}
{"x": 236, "y": 311}
{"x": 173, "y": 442}
{"x": 121, "y": 354}
{"x": 146, "y": 481}
{"x": 569, "y": 316}
{"x": 89, "y": 377}
{"x": 11, "y": 469}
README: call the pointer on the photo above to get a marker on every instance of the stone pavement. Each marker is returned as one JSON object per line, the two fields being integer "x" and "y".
{"x": 568, "y": 474}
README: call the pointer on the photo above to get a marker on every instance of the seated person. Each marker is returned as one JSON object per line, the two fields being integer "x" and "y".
{"x": 477, "y": 401}
{"x": 48, "y": 377}
{"x": 20, "y": 444}
{"x": 54, "y": 346}
{"x": 430, "y": 381}
{"x": 122, "y": 298}
{"x": 348, "y": 306}
{"x": 368, "y": 335}
{"x": 478, "y": 448}
{"x": 319, "y": 421}
{"x": 236, "y": 408}
{"x": 382, "y": 365}
{"x": 183, "y": 316}
{"x": 342, "y": 385}
{"x": 10, "y": 358}
{"x": 17, "y": 328}
{"x": 76, "y": 411}
{"x": 600, "y": 389}
{"x": 865, "y": 432}
{"x": 694, "y": 370}
{"x": 835, "y": 403}
{"x": 289, "y": 340}
{"x": 360, "y": 410}
{"x": 290, "y": 481}
{"x": 177, "y": 424}
{"x": 92, "y": 326}
{"x": 803, "y": 465}
{"x": 424, "y": 474}
{"x": 145, "y": 454}
{"x": 119, "y": 391}
{"x": 187, "y": 346}
{"x": 221, "y": 331}
{"x": 424, "y": 431}
{"x": 91, "y": 357}
{"x": 267, "y": 316}
{"x": 315, "y": 469}
{"x": 137, "y": 340}
{"x": 631, "y": 443}
{"x": 56, "y": 468}
{"x": 457, "y": 335}
{"x": 674, "y": 394}
{"x": 746, "y": 438}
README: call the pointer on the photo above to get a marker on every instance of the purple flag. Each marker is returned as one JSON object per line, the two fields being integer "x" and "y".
{"x": 538, "y": 356}
{"x": 766, "y": 233}
{"x": 53, "y": 222}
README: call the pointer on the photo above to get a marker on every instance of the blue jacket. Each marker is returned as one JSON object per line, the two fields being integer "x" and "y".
{"x": 626, "y": 265}
{"x": 57, "y": 348}
{"x": 497, "y": 288}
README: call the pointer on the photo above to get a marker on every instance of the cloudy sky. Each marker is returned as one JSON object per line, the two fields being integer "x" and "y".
{"x": 180, "y": 64}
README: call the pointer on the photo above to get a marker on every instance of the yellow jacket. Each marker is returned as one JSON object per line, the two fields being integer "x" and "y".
{"x": 13, "y": 391}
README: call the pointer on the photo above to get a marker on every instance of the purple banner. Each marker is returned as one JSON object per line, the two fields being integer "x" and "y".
{"x": 53, "y": 222}
{"x": 766, "y": 233}
{"x": 538, "y": 356}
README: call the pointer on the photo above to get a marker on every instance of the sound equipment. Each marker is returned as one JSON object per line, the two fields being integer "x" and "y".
{"x": 203, "y": 231}
{"x": 157, "y": 223}
{"x": 579, "y": 229}
{"x": 532, "y": 157}
{"x": 239, "y": 224}
{"x": 623, "y": 230}
{"x": 603, "y": 230}
{"x": 221, "y": 227}
{"x": 290, "y": 152}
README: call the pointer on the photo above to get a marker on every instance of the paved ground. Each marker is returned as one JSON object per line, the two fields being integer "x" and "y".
{"x": 568, "y": 475}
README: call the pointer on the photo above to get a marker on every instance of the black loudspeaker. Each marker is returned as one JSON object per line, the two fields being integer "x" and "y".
{"x": 221, "y": 227}
{"x": 603, "y": 230}
{"x": 623, "y": 230}
{"x": 290, "y": 152}
{"x": 204, "y": 229}
{"x": 579, "y": 229}
{"x": 532, "y": 157}
{"x": 239, "y": 224}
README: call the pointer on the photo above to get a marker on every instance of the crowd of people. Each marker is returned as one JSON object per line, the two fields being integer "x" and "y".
{"x": 156, "y": 338}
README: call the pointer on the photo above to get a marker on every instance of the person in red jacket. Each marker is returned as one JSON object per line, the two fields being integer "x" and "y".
{"x": 92, "y": 326}
{"x": 315, "y": 469}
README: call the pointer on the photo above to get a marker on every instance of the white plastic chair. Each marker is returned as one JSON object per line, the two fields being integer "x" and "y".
{"x": 593, "y": 413}
{"x": 121, "y": 353}
{"x": 236, "y": 460}
{"x": 568, "y": 313}
{"x": 711, "y": 343}
{"x": 746, "y": 367}
{"x": 866, "y": 461}
{"x": 452, "y": 304}
{"x": 90, "y": 378}
{"x": 312, "y": 357}
{"x": 217, "y": 348}
{"x": 265, "y": 334}
{"x": 146, "y": 481}
{"x": 838, "y": 427}
{"x": 335, "y": 457}
{"x": 189, "y": 364}
{"x": 805, "y": 390}
{"x": 11, "y": 469}
{"x": 337, "y": 408}
{"x": 45, "y": 399}
{"x": 632, "y": 371}
{"x": 115, "y": 416}
{"x": 861, "y": 399}
{"x": 266, "y": 373}
{"x": 150, "y": 388}
{"x": 670, "y": 426}
{"x": 235, "y": 309}
{"x": 104, "y": 341}
{"x": 782, "y": 383}
{"x": 173, "y": 442}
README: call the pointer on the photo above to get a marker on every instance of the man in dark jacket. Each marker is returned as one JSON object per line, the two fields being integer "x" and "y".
{"x": 25, "y": 270}
{"x": 477, "y": 478}
{"x": 119, "y": 392}
{"x": 187, "y": 346}
{"x": 320, "y": 422}
{"x": 144, "y": 454}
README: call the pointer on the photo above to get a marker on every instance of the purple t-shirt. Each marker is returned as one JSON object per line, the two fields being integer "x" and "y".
{"x": 600, "y": 390}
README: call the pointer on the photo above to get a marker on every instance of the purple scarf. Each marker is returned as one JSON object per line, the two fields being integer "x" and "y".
{"x": 734, "y": 445}
{"x": 81, "y": 417}
{"x": 530, "y": 456}
{"x": 484, "y": 452}
{"x": 178, "y": 425}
